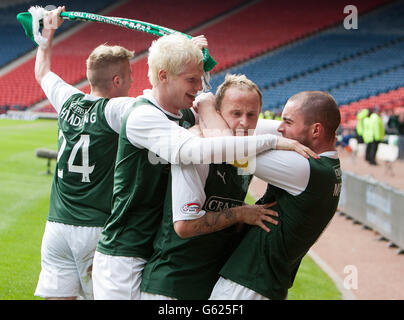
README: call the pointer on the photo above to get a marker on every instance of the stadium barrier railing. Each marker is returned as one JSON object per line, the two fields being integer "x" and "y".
{"x": 375, "y": 205}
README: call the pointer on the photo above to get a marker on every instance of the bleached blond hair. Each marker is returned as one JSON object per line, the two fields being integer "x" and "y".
{"x": 102, "y": 61}
{"x": 172, "y": 53}
{"x": 238, "y": 81}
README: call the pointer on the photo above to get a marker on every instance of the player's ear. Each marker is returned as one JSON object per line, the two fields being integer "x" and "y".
{"x": 316, "y": 129}
{"x": 116, "y": 80}
{"x": 162, "y": 75}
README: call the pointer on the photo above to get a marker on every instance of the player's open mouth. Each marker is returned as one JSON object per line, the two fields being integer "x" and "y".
{"x": 190, "y": 96}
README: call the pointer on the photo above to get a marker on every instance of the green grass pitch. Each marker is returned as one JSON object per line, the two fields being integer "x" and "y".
{"x": 25, "y": 190}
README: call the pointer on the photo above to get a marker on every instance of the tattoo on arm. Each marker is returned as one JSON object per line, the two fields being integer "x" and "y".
{"x": 215, "y": 221}
{"x": 202, "y": 123}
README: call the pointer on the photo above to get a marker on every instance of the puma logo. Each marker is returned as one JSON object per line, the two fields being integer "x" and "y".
{"x": 221, "y": 176}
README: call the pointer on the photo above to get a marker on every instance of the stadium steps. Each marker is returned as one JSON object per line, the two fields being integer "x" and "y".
{"x": 390, "y": 100}
{"x": 70, "y": 54}
{"x": 13, "y": 39}
{"x": 301, "y": 26}
{"x": 330, "y": 64}
{"x": 375, "y": 51}
{"x": 246, "y": 43}
{"x": 268, "y": 25}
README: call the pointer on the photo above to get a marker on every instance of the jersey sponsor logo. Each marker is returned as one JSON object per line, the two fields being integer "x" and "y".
{"x": 77, "y": 109}
{"x": 75, "y": 120}
{"x": 191, "y": 208}
{"x": 215, "y": 203}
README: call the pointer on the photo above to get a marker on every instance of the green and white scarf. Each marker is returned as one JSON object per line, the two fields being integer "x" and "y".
{"x": 32, "y": 20}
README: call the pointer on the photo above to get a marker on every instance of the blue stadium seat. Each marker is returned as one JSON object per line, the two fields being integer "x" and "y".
{"x": 13, "y": 39}
{"x": 352, "y": 64}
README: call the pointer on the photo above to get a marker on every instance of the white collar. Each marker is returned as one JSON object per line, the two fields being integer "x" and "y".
{"x": 147, "y": 93}
{"x": 90, "y": 97}
{"x": 330, "y": 154}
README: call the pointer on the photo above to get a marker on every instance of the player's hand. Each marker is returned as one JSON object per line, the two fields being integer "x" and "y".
{"x": 52, "y": 19}
{"x": 203, "y": 101}
{"x": 293, "y": 145}
{"x": 200, "y": 41}
{"x": 257, "y": 214}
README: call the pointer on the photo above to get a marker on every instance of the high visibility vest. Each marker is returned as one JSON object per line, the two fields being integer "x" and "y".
{"x": 377, "y": 127}
{"x": 367, "y": 130}
{"x": 359, "y": 121}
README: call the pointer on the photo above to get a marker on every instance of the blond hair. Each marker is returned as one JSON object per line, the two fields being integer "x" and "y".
{"x": 103, "y": 61}
{"x": 172, "y": 53}
{"x": 239, "y": 81}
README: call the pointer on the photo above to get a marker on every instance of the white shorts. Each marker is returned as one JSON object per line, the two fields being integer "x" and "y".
{"x": 226, "y": 289}
{"x": 117, "y": 277}
{"x": 152, "y": 296}
{"x": 66, "y": 260}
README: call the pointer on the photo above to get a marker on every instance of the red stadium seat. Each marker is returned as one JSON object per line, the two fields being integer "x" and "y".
{"x": 70, "y": 54}
{"x": 245, "y": 34}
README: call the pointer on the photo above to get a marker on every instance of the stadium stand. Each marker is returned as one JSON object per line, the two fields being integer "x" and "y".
{"x": 14, "y": 41}
{"x": 298, "y": 50}
{"x": 69, "y": 55}
{"x": 248, "y": 43}
{"x": 390, "y": 100}
{"x": 267, "y": 25}
{"x": 351, "y": 65}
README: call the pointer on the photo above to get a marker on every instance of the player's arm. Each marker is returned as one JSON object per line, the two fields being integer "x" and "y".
{"x": 188, "y": 185}
{"x": 115, "y": 110}
{"x": 265, "y": 126}
{"x": 51, "y": 21}
{"x": 205, "y": 111}
{"x": 286, "y": 170}
{"x": 196, "y": 130}
{"x": 216, "y": 221}
{"x": 55, "y": 89}
{"x": 210, "y": 121}
{"x": 149, "y": 128}
{"x": 213, "y": 125}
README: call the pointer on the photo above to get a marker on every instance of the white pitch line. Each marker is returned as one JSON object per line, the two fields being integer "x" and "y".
{"x": 346, "y": 294}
